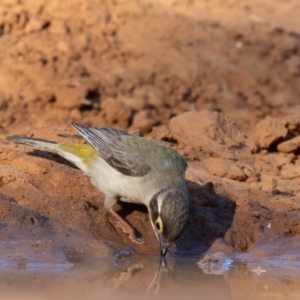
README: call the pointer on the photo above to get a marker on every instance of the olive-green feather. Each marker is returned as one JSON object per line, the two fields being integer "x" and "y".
{"x": 146, "y": 148}
{"x": 83, "y": 151}
{"x": 34, "y": 142}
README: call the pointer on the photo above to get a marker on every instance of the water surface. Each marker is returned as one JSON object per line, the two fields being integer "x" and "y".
{"x": 148, "y": 277}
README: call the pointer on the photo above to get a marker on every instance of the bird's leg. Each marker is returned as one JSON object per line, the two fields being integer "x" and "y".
{"x": 126, "y": 227}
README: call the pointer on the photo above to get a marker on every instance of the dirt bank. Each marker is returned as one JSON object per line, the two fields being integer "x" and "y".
{"x": 240, "y": 195}
{"x": 219, "y": 82}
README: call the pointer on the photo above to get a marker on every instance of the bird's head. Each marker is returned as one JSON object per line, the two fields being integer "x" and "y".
{"x": 168, "y": 211}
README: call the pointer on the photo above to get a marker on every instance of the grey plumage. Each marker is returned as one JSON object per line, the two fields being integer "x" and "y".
{"x": 133, "y": 169}
{"x": 175, "y": 203}
{"x": 110, "y": 143}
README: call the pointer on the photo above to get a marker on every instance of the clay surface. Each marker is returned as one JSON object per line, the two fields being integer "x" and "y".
{"x": 219, "y": 81}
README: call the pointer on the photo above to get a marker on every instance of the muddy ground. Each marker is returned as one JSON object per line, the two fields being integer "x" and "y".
{"x": 219, "y": 81}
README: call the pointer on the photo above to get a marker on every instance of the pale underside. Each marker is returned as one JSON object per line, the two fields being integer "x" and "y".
{"x": 127, "y": 168}
{"x": 116, "y": 186}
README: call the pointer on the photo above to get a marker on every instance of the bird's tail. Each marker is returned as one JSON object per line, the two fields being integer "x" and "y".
{"x": 34, "y": 142}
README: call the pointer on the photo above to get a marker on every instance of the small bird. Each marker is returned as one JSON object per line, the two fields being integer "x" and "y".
{"x": 130, "y": 169}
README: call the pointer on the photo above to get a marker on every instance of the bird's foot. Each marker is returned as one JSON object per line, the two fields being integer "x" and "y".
{"x": 126, "y": 228}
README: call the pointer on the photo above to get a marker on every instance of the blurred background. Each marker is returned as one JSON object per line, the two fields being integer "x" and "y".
{"x": 136, "y": 64}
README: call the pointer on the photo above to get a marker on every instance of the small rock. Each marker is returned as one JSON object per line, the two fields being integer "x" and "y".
{"x": 34, "y": 26}
{"x": 225, "y": 168}
{"x": 68, "y": 97}
{"x": 63, "y": 47}
{"x": 6, "y": 179}
{"x": 134, "y": 103}
{"x": 144, "y": 121}
{"x": 211, "y": 132}
{"x": 281, "y": 99}
{"x": 272, "y": 131}
{"x": 215, "y": 263}
{"x": 268, "y": 183}
{"x": 290, "y": 172}
{"x": 58, "y": 27}
{"x": 290, "y": 145}
{"x": 82, "y": 42}
{"x": 269, "y": 131}
{"x": 115, "y": 112}
{"x": 150, "y": 95}
{"x": 160, "y": 132}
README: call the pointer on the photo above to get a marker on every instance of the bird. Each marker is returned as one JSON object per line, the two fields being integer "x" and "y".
{"x": 130, "y": 169}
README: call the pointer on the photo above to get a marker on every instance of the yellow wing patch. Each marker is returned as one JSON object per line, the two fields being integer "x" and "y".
{"x": 83, "y": 151}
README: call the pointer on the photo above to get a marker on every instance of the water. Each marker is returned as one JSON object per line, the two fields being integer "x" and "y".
{"x": 150, "y": 278}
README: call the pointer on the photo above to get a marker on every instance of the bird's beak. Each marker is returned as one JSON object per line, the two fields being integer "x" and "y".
{"x": 164, "y": 247}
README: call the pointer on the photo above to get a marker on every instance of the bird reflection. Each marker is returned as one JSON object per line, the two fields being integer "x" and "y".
{"x": 171, "y": 278}
{"x": 163, "y": 277}
{"x": 136, "y": 276}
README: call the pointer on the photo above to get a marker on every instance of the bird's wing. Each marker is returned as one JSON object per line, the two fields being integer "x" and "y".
{"x": 112, "y": 148}
{"x": 183, "y": 162}
{"x": 70, "y": 136}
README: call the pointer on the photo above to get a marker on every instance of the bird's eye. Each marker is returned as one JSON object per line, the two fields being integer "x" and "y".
{"x": 159, "y": 225}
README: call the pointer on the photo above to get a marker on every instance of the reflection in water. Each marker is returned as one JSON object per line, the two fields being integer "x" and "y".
{"x": 215, "y": 263}
{"x": 119, "y": 276}
{"x": 33, "y": 267}
{"x": 150, "y": 276}
{"x": 172, "y": 277}
{"x": 162, "y": 275}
